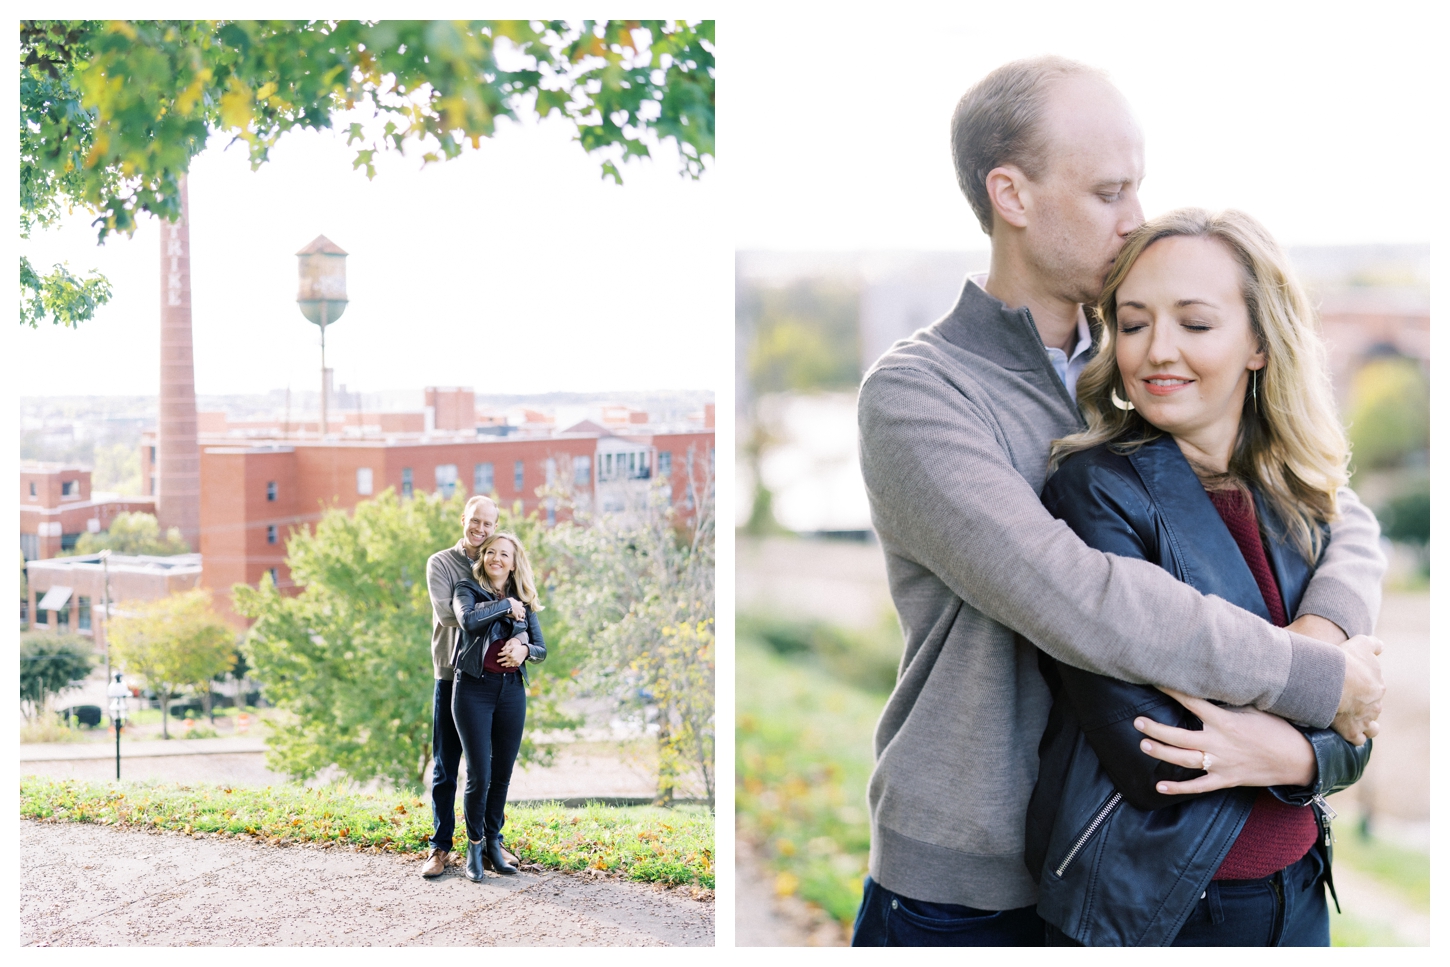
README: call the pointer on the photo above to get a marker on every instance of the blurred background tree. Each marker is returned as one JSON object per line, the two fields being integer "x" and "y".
{"x": 1389, "y": 414}
{"x": 49, "y": 664}
{"x": 112, "y": 112}
{"x": 348, "y": 657}
{"x": 638, "y": 592}
{"x": 172, "y": 643}
{"x": 133, "y": 532}
{"x": 799, "y": 337}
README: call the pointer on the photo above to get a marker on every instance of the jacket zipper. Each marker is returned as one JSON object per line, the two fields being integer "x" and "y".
{"x": 1087, "y": 833}
{"x": 1326, "y": 813}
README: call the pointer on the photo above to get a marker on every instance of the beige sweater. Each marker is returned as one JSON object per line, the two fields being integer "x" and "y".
{"x": 955, "y": 424}
{"x": 445, "y": 569}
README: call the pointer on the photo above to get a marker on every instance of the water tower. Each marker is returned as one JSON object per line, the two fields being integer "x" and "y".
{"x": 322, "y": 296}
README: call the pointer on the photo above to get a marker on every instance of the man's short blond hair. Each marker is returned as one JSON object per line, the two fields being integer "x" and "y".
{"x": 998, "y": 122}
{"x": 474, "y": 501}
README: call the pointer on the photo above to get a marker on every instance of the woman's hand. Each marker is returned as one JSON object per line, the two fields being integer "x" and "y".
{"x": 1246, "y": 747}
{"x": 513, "y": 653}
{"x": 516, "y": 608}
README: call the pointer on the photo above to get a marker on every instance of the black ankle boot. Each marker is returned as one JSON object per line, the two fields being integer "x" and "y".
{"x": 496, "y": 860}
{"x": 474, "y": 861}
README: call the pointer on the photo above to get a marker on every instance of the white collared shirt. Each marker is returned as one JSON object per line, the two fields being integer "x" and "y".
{"x": 1068, "y": 366}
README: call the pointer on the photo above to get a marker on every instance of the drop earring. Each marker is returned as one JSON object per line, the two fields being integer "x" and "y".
{"x": 1254, "y": 376}
{"x": 1121, "y": 403}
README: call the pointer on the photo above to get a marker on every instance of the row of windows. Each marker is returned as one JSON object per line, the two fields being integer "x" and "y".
{"x": 62, "y": 617}
{"x": 445, "y": 478}
{"x": 612, "y": 466}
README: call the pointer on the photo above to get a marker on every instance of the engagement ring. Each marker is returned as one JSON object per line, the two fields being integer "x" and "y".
{"x": 1207, "y": 761}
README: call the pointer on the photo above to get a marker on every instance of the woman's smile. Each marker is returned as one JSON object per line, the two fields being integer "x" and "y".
{"x": 1165, "y": 385}
{"x": 1185, "y": 344}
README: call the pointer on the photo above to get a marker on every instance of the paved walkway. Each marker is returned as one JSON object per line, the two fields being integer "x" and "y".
{"x": 89, "y": 885}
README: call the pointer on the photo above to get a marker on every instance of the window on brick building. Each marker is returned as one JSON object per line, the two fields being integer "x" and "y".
{"x": 271, "y": 533}
{"x": 407, "y": 481}
{"x": 666, "y": 459}
{"x": 68, "y": 541}
{"x": 445, "y": 478}
{"x": 483, "y": 478}
{"x": 364, "y": 481}
{"x": 581, "y": 471}
{"x": 42, "y": 617}
{"x": 518, "y": 475}
{"x": 70, "y": 488}
{"x": 272, "y": 573}
{"x": 62, "y": 619}
{"x": 30, "y": 546}
{"x": 83, "y": 614}
{"x": 32, "y": 488}
{"x": 271, "y": 490}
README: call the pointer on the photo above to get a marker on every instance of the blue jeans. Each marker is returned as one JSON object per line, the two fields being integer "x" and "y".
{"x": 1284, "y": 909}
{"x": 489, "y": 714}
{"x": 889, "y": 919}
{"x": 447, "y": 749}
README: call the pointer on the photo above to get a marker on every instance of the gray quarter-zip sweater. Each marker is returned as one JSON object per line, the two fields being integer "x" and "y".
{"x": 955, "y": 425}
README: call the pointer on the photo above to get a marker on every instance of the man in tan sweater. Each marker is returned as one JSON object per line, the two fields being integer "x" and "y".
{"x": 955, "y": 426}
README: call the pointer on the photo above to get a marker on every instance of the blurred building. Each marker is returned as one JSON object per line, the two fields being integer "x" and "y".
{"x": 57, "y": 507}
{"x": 68, "y": 594}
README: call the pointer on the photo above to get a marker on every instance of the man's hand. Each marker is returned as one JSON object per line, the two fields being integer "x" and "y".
{"x": 1364, "y": 688}
{"x": 513, "y": 653}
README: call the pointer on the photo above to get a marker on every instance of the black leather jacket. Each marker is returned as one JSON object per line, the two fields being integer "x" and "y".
{"x": 1117, "y": 863}
{"x": 483, "y": 617}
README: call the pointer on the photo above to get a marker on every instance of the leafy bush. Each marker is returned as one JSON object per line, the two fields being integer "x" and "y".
{"x": 133, "y": 533}
{"x": 50, "y": 663}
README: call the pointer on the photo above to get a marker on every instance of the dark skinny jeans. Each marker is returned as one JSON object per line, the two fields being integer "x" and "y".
{"x": 446, "y": 752}
{"x": 489, "y": 714}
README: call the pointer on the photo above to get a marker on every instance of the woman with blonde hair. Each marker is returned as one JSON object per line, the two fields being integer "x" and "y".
{"x": 1212, "y": 449}
{"x": 497, "y": 616}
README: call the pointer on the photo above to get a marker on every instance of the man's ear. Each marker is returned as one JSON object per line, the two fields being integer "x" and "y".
{"x": 1007, "y": 188}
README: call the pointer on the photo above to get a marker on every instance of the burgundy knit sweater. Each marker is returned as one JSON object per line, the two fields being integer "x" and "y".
{"x": 1275, "y": 834}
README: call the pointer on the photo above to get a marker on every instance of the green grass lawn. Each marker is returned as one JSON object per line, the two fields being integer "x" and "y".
{"x": 673, "y": 846}
{"x": 802, "y": 759}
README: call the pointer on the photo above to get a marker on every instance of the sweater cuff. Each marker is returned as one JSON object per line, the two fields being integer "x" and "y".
{"x": 1316, "y": 680}
{"x": 1336, "y": 601}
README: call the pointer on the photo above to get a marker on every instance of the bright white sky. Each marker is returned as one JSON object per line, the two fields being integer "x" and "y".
{"x": 510, "y": 269}
{"x": 1315, "y": 118}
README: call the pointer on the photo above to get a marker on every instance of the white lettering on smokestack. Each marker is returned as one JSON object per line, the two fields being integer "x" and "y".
{"x": 178, "y": 461}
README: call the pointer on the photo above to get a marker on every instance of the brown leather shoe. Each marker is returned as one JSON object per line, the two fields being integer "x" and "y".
{"x": 436, "y": 862}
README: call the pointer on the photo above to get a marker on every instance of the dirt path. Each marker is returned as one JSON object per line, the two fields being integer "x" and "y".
{"x": 88, "y": 885}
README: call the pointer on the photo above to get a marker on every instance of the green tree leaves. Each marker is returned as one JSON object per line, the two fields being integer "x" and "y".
{"x": 133, "y": 533}
{"x": 349, "y": 656}
{"x": 172, "y": 643}
{"x": 48, "y": 664}
{"x": 112, "y": 112}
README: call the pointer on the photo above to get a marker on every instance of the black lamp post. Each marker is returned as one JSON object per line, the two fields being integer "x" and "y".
{"x": 118, "y": 693}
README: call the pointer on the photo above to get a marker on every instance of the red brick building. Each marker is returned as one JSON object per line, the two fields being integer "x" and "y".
{"x": 57, "y": 507}
{"x": 256, "y": 493}
{"x": 68, "y": 594}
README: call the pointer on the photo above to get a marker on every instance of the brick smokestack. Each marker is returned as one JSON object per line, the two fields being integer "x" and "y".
{"x": 178, "y": 472}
